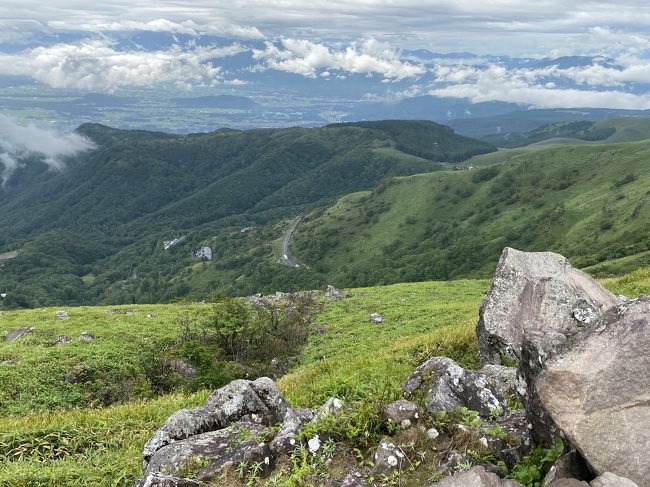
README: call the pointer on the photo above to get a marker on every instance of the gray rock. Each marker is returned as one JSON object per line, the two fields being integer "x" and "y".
{"x": 61, "y": 340}
{"x": 208, "y": 454}
{"x": 332, "y": 292}
{"x": 568, "y": 483}
{"x": 352, "y": 480}
{"x": 569, "y": 466}
{"x": 475, "y": 477}
{"x": 285, "y": 440}
{"x": 449, "y": 386}
{"x": 454, "y": 460}
{"x": 333, "y": 406}
{"x": 62, "y": 315}
{"x": 535, "y": 291}
{"x": 259, "y": 401}
{"x": 517, "y": 442}
{"x": 86, "y": 337}
{"x": 598, "y": 395}
{"x": 18, "y": 333}
{"x": 162, "y": 480}
{"x": 502, "y": 377}
{"x": 376, "y": 318}
{"x": 609, "y": 479}
{"x": 402, "y": 410}
{"x": 80, "y": 374}
{"x": 388, "y": 458}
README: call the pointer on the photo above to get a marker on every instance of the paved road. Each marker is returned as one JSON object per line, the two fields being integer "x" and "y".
{"x": 287, "y": 258}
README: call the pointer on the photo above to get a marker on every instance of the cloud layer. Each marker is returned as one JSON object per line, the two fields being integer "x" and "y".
{"x": 18, "y": 141}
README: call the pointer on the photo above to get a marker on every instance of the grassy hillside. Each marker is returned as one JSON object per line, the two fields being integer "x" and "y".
{"x": 587, "y": 202}
{"x": 348, "y": 357}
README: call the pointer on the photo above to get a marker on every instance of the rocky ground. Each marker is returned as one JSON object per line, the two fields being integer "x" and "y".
{"x": 562, "y": 400}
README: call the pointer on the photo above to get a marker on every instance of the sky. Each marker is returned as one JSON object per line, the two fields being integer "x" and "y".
{"x": 72, "y": 44}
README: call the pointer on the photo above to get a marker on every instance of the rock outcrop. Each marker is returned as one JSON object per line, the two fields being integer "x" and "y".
{"x": 597, "y": 392}
{"x": 475, "y": 477}
{"x": 18, "y": 333}
{"x": 535, "y": 291}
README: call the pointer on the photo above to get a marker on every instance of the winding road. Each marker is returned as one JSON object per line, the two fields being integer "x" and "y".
{"x": 287, "y": 258}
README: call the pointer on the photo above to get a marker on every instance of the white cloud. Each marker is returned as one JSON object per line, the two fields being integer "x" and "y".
{"x": 18, "y": 141}
{"x": 97, "y": 65}
{"x": 306, "y": 58}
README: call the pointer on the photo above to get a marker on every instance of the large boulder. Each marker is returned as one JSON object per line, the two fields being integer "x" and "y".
{"x": 18, "y": 333}
{"x": 475, "y": 477}
{"x": 535, "y": 291}
{"x": 597, "y": 392}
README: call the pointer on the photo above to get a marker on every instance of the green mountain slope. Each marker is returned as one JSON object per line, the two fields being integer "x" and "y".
{"x": 587, "y": 202}
{"x": 102, "y": 221}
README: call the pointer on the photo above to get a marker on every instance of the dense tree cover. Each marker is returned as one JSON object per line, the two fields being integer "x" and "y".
{"x": 94, "y": 232}
{"x": 580, "y": 130}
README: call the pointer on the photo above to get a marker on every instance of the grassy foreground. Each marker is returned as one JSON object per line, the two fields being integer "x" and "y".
{"x": 346, "y": 356}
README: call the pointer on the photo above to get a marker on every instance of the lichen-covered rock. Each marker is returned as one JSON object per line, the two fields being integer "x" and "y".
{"x": 375, "y": 318}
{"x": 61, "y": 340}
{"x": 475, "y": 477}
{"x": 514, "y": 441}
{"x": 258, "y": 401}
{"x": 206, "y": 455}
{"x": 388, "y": 458}
{"x": 568, "y": 466}
{"x": 608, "y": 479}
{"x": 535, "y": 291}
{"x": 501, "y": 377}
{"x": 333, "y": 406}
{"x": 162, "y": 480}
{"x": 449, "y": 386}
{"x": 400, "y": 411}
{"x": 597, "y": 391}
{"x": 285, "y": 440}
{"x": 61, "y": 315}
{"x": 86, "y": 337}
{"x": 568, "y": 483}
{"x": 18, "y": 333}
{"x": 332, "y": 292}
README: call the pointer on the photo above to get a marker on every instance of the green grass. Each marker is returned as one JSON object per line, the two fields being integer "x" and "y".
{"x": 353, "y": 359}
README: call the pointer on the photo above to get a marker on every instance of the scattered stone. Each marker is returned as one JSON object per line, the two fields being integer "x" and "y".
{"x": 151, "y": 316}
{"x": 432, "y": 433}
{"x": 80, "y": 374}
{"x": 285, "y": 440}
{"x": 86, "y": 337}
{"x": 332, "y": 292}
{"x": 449, "y": 386}
{"x": 320, "y": 329}
{"x": 535, "y": 291}
{"x": 19, "y": 333}
{"x": 352, "y": 480}
{"x": 402, "y": 410}
{"x": 120, "y": 311}
{"x": 609, "y": 479}
{"x": 453, "y": 460}
{"x": 62, "y": 315}
{"x": 61, "y": 340}
{"x": 182, "y": 368}
{"x": 595, "y": 391}
{"x": 475, "y": 477}
{"x": 376, "y": 318}
{"x": 333, "y": 406}
{"x": 387, "y": 458}
{"x": 568, "y": 483}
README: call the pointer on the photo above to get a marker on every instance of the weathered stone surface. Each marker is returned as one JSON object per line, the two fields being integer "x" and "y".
{"x": 402, "y": 410}
{"x": 259, "y": 401}
{"x": 86, "y": 337}
{"x": 285, "y": 440}
{"x": 569, "y": 466}
{"x": 18, "y": 333}
{"x": 182, "y": 368}
{"x": 568, "y": 483}
{"x": 61, "y": 315}
{"x": 517, "y": 442}
{"x": 375, "y": 318}
{"x": 162, "y": 480}
{"x": 61, "y": 340}
{"x": 387, "y": 458}
{"x": 332, "y": 292}
{"x": 352, "y": 480}
{"x": 209, "y": 453}
{"x": 452, "y": 460}
{"x": 333, "y": 406}
{"x": 597, "y": 391}
{"x": 449, "y": 386}
{"x": 475, "y": 477}
{"x": 535, "y": 291}
{"x": 501, "y": 377}
{"x": 609, "y": 479}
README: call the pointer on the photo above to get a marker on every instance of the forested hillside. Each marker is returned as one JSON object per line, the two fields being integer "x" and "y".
{"x": 94, "y": 231}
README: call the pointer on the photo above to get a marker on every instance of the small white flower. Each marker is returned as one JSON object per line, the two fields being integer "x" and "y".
{"x": 314, "y": 444}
